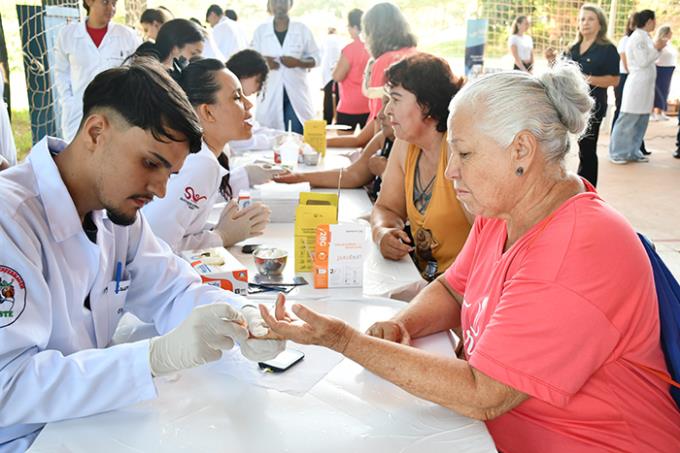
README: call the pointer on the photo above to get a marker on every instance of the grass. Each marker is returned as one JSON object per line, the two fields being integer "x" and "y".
{"x": 21, "y": 128}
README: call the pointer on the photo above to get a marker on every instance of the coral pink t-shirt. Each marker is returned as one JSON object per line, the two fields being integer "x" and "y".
{"x": 352, "y": 100}
{"x": 377, "y": 79}
{"x": 559, "y": 316}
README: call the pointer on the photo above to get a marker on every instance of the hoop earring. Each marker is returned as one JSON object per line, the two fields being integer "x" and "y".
{"x": 519, "y": 171}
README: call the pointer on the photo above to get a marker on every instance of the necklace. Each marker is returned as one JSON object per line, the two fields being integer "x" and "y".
{"x": 421, "y": 195}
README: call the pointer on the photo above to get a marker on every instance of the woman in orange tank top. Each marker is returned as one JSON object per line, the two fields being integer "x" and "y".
{"x": 414, "y": 187}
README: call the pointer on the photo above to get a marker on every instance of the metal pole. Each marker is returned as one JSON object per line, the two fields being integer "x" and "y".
{"x": 612, "y": 19}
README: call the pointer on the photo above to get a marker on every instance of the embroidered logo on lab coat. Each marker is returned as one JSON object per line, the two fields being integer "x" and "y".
{"x": 191, "y": 198}
{"x": 12, "y": 296}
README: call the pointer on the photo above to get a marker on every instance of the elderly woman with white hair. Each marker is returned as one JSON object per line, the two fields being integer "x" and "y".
{"x": 553, "y": 291}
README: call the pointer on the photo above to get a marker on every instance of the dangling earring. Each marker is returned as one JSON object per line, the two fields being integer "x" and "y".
{"x": 519, "y": 171}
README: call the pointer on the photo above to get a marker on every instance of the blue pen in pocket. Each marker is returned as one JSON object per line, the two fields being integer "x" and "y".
{"x": 119, "y": 274}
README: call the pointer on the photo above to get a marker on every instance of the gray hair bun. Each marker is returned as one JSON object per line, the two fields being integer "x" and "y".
{"x": 570, "y": 94}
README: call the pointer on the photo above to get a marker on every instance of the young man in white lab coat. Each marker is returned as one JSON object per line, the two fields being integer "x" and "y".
{"x": 76, "y": 255}
{"x": 290, "y": 51}
{"x": 83, "y": 50}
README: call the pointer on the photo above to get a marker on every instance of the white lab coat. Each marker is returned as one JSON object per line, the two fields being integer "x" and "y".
{"x": 262, "y": 139}
{"x": 78, "y": 61}
{"x": 54, "y": 359}
{"x": 210, "y": 49}
{"x": 299, "y": 43}
{"x": 8, "y": 149}
{"x": 180, "y": 217}
{"x": 638, "y": 92}
{"x": 228, "y": 37}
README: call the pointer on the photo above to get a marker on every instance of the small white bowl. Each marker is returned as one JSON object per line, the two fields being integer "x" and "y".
{"x": 270, "y": 261}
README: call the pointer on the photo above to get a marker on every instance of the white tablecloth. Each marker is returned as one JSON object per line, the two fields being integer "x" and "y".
{"x": 349, "y": 410}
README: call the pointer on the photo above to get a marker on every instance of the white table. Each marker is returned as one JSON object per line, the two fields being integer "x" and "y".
{"x": 349, "y": 410}
{"x": 382, "y": 277}
{"x": 334, "y": 158}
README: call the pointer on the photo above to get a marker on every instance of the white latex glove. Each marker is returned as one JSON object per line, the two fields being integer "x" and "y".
{"x": 260, "y": 173}
{"x": 237, "y": 224}
{"x": 207, "y": 331}
{"x": 259, "y": 350}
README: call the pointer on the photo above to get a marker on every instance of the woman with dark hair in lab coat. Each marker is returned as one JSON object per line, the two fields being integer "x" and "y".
{"x": 224, "y": 113}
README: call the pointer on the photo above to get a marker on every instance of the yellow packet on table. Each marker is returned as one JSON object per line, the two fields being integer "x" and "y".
{"x": 315, "y": 135}
{"x": 314, "y": 209}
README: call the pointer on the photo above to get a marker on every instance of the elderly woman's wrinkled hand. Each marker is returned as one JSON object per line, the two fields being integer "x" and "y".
{"x": 309, "y": 327}
{"x": 393, "y": 243}
{"x": 391, "y": 331}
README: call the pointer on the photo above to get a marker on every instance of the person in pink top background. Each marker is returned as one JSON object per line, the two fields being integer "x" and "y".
{"x": 352, "y": 109}
{"x": 553, "y": 293}
{"x": 388, "y": 39}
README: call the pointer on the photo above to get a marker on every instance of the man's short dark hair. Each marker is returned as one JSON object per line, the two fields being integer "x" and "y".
{"x": 354, "y": 18}
{"x": 214, "y": 9}
{"x": 231, "y": 14}
{"x": 248, "y": 63}
{"x": 144, "y": 95}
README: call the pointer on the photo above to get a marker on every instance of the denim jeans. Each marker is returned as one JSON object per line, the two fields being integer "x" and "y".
{"x": 289, "y": 115}
{"x": 627, "y": 136}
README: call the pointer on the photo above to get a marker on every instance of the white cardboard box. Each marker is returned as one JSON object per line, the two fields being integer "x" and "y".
{"x": 339, "y": 255}
{"x": 218, "y": 267}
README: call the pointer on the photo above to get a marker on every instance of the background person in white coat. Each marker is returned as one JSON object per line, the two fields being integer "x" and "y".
{"x": 76, "y": 256}
{"x": 214, "y": 15}
{"x": 251, "y": 69}
{"x": 180, "y": 217}
{"x": 83, "y": 50}
{"x": 151, "y": 21}
{"x": 225, "y": 32}
{"x": 179, "y": 39}
{"x": 290, "y": 50}
{"x": 638, "y": 93}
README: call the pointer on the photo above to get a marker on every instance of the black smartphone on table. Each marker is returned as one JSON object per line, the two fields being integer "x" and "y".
{"x": 283, "y": 361}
